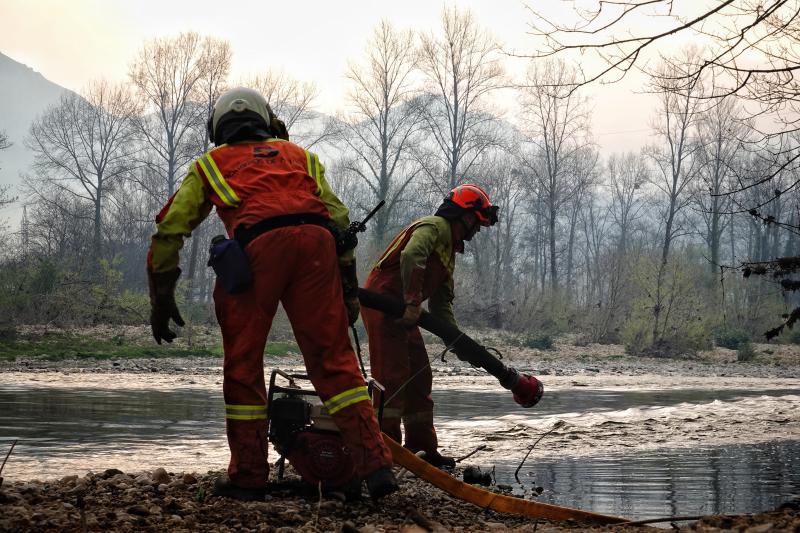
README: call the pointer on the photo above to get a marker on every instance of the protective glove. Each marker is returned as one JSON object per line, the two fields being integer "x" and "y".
{"x": 347, "y": 271}
{"x": 410, "y": 315}
{"x": 162, "y": 303}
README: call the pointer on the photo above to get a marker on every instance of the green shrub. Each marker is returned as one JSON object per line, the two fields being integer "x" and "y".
{"x": 683, "y": 320}
{"x": 732, "y": 338}
{"x": 540, "y": 341}
{"x": 745, "y": 352}
{"x": 8, "y": 333}
{"x": 281, "y": 348}
{"x": 793, "y": 336}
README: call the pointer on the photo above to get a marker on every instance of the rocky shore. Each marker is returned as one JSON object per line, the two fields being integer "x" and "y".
{"x": 156, "y": 500}
{"x": 181, "y": 502}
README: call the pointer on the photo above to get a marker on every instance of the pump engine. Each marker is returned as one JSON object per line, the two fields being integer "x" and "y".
{"x": 305, "y": 434}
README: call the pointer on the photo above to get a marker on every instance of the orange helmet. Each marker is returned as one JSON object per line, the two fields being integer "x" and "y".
{"x": 473, "y": 198}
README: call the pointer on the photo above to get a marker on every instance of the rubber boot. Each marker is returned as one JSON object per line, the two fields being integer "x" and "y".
{"x": 381, "y": 483}
{"x": 225, "y": 489}
{"x": 438, "y": 460}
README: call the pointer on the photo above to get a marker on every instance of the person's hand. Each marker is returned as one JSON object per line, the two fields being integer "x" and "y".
{"x": 353, "y": 310}
{"x": 162, "y": 304}
{"x": 410, "y": 315}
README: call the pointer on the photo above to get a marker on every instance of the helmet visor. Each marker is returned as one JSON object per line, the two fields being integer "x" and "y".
{"x": 487, "y": 215}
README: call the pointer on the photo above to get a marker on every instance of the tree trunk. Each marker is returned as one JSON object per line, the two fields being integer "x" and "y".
{"x": 97, "y": 243}
{"x": 661, "y": 269}
{"x": 552, "y": 245}
{"x": 192, "y": 267}
{"x": 571, "y": 245}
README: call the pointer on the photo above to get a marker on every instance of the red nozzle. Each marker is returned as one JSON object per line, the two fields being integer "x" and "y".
{"x": 528, "y": 391}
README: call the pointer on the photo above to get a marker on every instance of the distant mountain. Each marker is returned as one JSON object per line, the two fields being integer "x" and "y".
{"x": 24, "y": 94}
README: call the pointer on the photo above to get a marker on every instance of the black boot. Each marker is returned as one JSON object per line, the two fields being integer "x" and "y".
{"x": 381, "y": 483}
{"x": 225, "y": 489}
{"x": 438, "y": 460}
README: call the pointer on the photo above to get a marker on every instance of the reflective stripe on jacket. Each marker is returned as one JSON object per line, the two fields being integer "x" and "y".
{"x": 422, "y": 259}
{"x": 251, "y": 181}
{"x": 247, "y": 182}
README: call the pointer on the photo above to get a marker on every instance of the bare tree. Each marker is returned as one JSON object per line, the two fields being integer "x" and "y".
{"x": 462, "y": 68}
{"x": 584, "y": 173}
{"x": 83, "y": 145}
{"x": 557, "y": 125}
{"x": 4, "y": 195}
{"x": 594, "y": 224}
{"x": 676, "y": 168}
{"x": 167, "y": 75}
{"x": 721, "y": 134}
{"x": 292, "y": 101}
{"x": 494, "y": 250}
{"x": 213, "y": 80}
{"x": 381, "y": 129}
{"x": 4, "y": 142}
{"x": 216, "y": 63}
{"x": 627, "y": 174}
{"x": 751, "y": 47}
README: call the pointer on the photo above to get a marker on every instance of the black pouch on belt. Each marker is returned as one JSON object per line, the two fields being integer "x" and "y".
{"x": 231, "y": 265}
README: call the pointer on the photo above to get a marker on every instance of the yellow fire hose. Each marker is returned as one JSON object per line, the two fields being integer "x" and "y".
{"x": 487, "y": 499}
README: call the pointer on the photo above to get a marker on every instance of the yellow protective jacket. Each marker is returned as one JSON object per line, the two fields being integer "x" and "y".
{"x": 419, "y": 263}
{"x": 247, "y": 182}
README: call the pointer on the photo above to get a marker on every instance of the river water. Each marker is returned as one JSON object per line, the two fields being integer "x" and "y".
{"x": 621, "y": 453}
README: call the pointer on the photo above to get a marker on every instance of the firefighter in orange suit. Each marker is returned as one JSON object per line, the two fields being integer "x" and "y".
{"x": 417, "y": 266}
{"x": 276, "y": 205}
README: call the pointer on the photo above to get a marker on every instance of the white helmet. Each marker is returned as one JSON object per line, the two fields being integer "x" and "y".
{"x": 235, "y": 101}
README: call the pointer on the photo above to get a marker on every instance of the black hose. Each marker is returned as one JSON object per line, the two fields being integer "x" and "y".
{"x": 464, "y": 347}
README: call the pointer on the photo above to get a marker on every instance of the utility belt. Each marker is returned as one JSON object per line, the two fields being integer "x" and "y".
{"x": 228, "y": 258}
{"x": 246, "y": 234}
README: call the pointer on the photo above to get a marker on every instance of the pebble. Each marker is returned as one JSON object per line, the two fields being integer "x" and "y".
{"x": 762, "y": 528}
{"x": 139, "y": 510}
{"x": 111, "y": 472}
{"x": 160, "y": 476}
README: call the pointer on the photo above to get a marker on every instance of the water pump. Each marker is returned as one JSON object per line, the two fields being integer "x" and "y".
{"x": 305, "y": 434}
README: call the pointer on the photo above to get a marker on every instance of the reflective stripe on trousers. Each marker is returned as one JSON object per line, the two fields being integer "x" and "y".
{"x": 346, "y": 398}
{"x": 245, "y": 412}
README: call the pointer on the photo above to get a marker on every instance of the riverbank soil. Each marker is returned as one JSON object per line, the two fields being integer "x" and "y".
{"x": 161, "y": 501}
{"x": 152, "y": 499}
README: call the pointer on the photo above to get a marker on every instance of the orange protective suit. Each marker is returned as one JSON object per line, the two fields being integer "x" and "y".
{"x": 296, "y": 265}
{"x": 416, "y": 266}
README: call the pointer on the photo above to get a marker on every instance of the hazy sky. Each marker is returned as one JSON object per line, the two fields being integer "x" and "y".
{"x": 73, "y": 42}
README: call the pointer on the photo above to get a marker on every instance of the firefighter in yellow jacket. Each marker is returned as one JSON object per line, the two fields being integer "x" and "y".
{"x": 276, "y": 205}
{"x": 417, "y": 266}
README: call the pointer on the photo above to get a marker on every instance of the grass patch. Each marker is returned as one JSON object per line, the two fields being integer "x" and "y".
{"x": 55, "y": 347}
{"x": 540, "y": 341}
{"x": 281, "y": 349}
{"x": 59, "y": 346}
{"x": 745, "y": 352}
{"x": 732, "y": 338}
